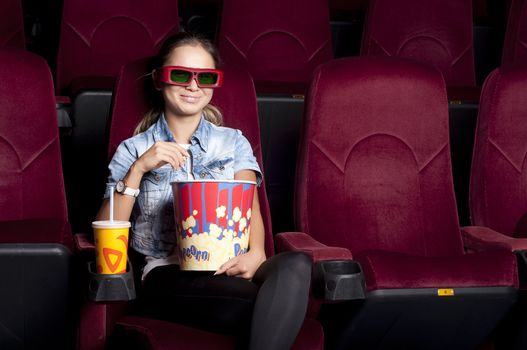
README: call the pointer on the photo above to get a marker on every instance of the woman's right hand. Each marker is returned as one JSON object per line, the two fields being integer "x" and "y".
{"x": 160, "y": 154}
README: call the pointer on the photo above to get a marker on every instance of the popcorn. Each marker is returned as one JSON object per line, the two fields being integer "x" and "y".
{"x": 236, "y": 214}
{"x": 189, "y": 222}
{"x": 220, "y": 211}
{"x": 243, "y": 223}
{"x": 214, "y": 230}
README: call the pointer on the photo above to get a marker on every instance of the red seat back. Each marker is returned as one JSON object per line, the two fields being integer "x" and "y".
{"x": 375, "y": 169}
{"x": 436, "y": 32}
{"x": 498, "y": 196}
{"x": 514, "y": 46}
{"x": 276, "y": 41}
{"x": 11, "y": 24}
{"x": 98, "y": 36}
{"x": 32, "y": 185}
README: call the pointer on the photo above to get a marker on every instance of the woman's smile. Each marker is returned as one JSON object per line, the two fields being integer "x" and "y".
{"x": 190, "y": 98}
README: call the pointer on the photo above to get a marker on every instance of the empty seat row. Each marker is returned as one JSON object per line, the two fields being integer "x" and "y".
{"x": 287, "y": 51}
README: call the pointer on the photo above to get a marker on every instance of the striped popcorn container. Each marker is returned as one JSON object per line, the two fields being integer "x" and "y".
{"x": 213, "y": 219}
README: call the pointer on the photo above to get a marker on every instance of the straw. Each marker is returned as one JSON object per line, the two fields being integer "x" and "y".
{"x": 111, "y": 202}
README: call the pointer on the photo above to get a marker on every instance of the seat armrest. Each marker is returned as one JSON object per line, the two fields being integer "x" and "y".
{"x": 302, "y": 242}
{"x": 83, "y": 243}
{"x": 63, "y": 107}
{"x": 62, "y": 100}
{"x": 336, "y": 276}
{"x": 480, "y": 238}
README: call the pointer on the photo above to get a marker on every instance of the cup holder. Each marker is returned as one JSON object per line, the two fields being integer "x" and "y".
{"x": 114, "y": 287}
{"x": 338, "y": 280}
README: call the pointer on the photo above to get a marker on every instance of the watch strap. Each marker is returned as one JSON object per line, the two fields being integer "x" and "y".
{"x": 131, "y": 191}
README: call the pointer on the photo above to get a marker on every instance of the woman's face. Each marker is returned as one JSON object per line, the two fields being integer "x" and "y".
{"x": 187, "y": 101}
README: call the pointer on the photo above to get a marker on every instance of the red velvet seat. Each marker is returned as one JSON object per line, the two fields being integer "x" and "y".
{"x": 98, "y": 37}
{"x": 280, "y": 44}
{"x": 497, "y": 184}
{"x": 497, "y": 193}
{"x": 35, "y": 237}
{"x": 514, "y": 46}
{"x": 433, "y": 32}
{"x": 374, "y": 176}
{"x": 438, "y": 33}
{"x": 11, "y": 24}
{"x": 129, "y": 105}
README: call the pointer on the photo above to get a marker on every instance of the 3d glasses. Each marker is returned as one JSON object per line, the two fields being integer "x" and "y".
{"x": 183, "y": 76}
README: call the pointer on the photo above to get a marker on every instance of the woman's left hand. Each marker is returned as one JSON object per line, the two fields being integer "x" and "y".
{"x": 244, "y": 265}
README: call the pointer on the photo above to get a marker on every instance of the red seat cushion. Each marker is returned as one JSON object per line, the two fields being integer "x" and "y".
{"x": 166, "y": 335}
{"x": 36, "y": 231}
{"x": 161, "y": 335}
{"x": 390, "y": 270}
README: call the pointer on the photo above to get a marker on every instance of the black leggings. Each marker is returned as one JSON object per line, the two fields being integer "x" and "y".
{"x": 265, "y": 313}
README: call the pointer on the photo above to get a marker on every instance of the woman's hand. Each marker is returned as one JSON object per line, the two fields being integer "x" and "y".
{"x": 244, "y": 265}
{"x": 160, "y": 154}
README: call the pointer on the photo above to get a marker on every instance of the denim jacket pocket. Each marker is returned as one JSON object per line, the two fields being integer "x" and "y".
{"x": 221, "y": 168}
{"x": 155, "y": 191}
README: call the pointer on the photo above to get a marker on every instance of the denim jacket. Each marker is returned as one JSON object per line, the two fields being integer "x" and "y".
{"x": 216, "y": 153}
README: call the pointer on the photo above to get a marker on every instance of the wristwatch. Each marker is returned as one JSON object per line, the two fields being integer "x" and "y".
{"x": 121, "y": 188}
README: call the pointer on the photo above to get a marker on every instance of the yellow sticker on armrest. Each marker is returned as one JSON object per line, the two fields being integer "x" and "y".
{"x": 446, "y": 292}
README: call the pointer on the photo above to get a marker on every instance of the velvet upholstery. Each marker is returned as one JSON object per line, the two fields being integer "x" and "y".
{"x": 278, "y": 42}
{"x": 302, "y": 242}
{"x": 498, "y": 196}
{"x": 162, "y": 335}
{"x": 48, "y": 230}
{"x": 97, "y": 37}
{"x": 375, "y": 174}
{"x": 515, "y": 42}
{"x": 435, "y": 32}
{"x": 375, "y": 169}
{"x": 11, "y": 24}
{"x": 480, "y": 238}
{"x": 389, "y": 270}
{"x": 36, "y": 292}
{"x": 129, "y": 105}
{"x": 32, "y": 186}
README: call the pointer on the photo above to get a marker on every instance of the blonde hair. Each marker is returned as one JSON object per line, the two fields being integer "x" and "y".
{"x": 210, "y": 112}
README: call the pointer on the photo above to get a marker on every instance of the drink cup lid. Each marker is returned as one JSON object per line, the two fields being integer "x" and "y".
{"x": 108, "y": 223}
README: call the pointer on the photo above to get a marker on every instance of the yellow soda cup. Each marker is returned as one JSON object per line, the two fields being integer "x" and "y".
{"x": 111, "y": 245}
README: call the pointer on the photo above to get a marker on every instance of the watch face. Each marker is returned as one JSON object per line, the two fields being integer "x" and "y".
{"x": 119, "y": 187}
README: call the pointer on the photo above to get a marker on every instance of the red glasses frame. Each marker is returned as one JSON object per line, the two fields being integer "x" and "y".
{"x": 164, "y": 75}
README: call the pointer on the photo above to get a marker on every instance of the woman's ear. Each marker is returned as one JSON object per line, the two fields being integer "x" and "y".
{"x": 155, "y": 80}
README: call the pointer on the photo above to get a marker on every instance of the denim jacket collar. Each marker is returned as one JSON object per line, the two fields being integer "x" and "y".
{"x": 162, "y": 132}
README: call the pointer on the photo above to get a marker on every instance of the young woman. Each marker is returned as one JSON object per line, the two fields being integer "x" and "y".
{"x": 261, "y": 301}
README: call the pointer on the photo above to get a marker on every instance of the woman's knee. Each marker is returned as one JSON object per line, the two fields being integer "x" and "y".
{"x": 294, "y": 266}
{"x": 296, "y": 261}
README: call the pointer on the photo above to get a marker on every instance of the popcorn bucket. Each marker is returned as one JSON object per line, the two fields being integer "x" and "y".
{"x": 213, "y": 219}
